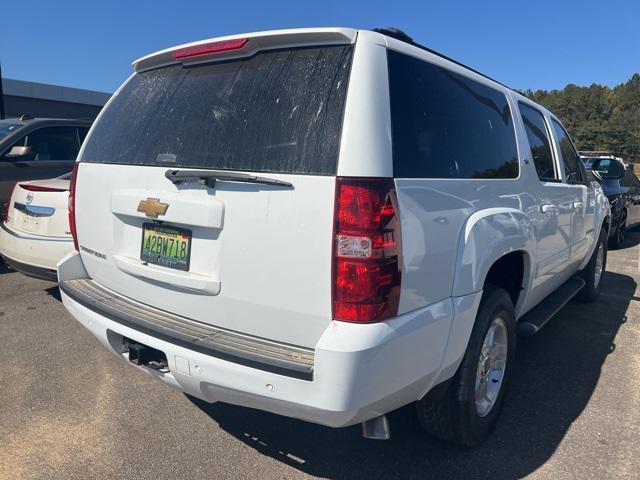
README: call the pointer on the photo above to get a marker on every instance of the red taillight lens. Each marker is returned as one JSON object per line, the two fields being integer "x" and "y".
{"x": 366, "y": 284}
{"x": 72, "y": 206}
{"x": 7, "y": 207}
{"x": 40, "y": 188}
{"x": 209, "y": 48}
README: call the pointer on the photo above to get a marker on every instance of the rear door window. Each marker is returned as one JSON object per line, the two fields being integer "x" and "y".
{"x": 445, "y": 125}
{"x": 629, "y": 180}
{"x": 539, "y": 142}
{"x": 569, "y": 156}
{"x": 277, "y": 111}
{"x": 51, "y": 143}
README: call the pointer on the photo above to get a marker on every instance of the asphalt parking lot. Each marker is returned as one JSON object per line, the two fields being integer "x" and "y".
{"x": 71, "y": 409}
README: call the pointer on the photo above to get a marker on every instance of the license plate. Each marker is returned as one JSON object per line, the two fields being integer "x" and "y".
{"x": 30, "y": 224}
{"x": 166, "y": 246}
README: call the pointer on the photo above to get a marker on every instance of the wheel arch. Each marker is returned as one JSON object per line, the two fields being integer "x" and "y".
{"x": 605, "y": 225}
{"x": 497, "y": 236}
{"x": 489, "y": 237}
{"x": 511, "y": 273}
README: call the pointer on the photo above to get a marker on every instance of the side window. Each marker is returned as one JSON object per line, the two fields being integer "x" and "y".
{"x": 629, "y": 179}
{"x": 625, "y": 181}
{"x": 445, "y": 125}
{"x": 538, "y": 136}
{"x": 53, "y": 143}
{"x": 568, "y": 154}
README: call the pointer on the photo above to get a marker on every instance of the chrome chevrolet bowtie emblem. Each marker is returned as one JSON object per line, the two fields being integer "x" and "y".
{"x": 152, "y": 207}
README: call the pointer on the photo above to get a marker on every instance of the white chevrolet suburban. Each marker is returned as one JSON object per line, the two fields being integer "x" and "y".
{"x": 328, "y": 224}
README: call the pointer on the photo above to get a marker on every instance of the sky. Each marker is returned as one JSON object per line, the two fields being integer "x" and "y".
{"x": 537, "y": 44}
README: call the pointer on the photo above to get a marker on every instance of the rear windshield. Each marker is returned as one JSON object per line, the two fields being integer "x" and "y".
{"x": 278, "y": 111}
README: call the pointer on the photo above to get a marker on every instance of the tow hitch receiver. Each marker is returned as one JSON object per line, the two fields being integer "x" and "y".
{"x": 140, "y": 354}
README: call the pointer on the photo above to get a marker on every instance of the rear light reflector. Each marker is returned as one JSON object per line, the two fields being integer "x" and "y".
{"x": 210, "y": 48}
{"x": 40, "y": 188}
{"x": 7, "y": 207}
{"x": 72, "y": 206}
{"x": 367, "y": 244}
{"x": 353, "y": 246}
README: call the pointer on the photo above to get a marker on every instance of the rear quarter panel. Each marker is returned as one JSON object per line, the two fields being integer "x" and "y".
{"x": 454, "y": 230}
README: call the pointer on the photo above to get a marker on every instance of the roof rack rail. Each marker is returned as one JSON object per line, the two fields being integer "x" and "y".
{"x": 394, "y": 32}
{"x": 403, "y": 37}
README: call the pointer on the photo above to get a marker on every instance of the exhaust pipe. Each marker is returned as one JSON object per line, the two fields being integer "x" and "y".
{"x": 376, "y": 428}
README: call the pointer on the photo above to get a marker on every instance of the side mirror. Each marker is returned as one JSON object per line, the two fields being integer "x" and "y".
{"x": 20, "y": 152}
{"x": 607, "y": 169}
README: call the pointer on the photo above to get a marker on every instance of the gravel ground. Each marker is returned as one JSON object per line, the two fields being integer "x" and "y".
{"x": 70, "y": 409}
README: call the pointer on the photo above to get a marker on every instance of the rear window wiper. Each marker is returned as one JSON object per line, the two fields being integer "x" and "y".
{"x": 209, "y": 177}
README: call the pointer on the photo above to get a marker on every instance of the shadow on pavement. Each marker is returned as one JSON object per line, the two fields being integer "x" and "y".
{"x": 4, "y": 268}
{"x": 54, "y": 292}
{"x": 631, "y": 239}
{"x": 557, "y": 372}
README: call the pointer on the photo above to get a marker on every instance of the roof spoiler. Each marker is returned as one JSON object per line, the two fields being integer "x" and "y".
{"x": 255, "y": 42}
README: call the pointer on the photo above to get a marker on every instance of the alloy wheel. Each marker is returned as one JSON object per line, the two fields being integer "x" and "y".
{"x": 491, "y": 366}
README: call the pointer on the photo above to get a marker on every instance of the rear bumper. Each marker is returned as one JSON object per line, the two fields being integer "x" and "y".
{"x": 236, "y": 347}
{"x": 31, "y": 254}
{"x": 359, "y": 371}
{"x": 31, "y": 271}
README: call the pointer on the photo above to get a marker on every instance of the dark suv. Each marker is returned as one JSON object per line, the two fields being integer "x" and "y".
{"x": 37, "y": 148}
{"x": 622, "y": 188}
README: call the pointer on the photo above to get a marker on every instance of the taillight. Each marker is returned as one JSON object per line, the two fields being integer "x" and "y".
{"x": 7, "y": 207}
{"x": 72, "y": 206}
{"x": 367, "y": 250}
{"x": 40, "y": 188}
{"x": 210, "y": 48}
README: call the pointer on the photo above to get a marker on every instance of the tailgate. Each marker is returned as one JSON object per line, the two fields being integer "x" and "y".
{"x": 260, "y": 259}
{"x": 250, "y": 257}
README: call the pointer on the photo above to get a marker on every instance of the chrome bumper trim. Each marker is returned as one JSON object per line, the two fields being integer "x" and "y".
{"x": 255, "y": 352}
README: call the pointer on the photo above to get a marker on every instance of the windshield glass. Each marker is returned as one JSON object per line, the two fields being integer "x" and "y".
{"x": 277, "y": 111}
{"x": 6, "y": 128}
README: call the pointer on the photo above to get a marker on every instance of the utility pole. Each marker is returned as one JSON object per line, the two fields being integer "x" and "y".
{"x": 1, "y": 96}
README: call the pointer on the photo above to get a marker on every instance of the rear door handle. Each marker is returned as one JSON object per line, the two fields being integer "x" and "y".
{"x": 576, "y": 205}
{"x": 547, "y": 207}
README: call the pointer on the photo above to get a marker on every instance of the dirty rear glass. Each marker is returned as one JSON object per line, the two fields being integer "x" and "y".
{"x": 278, "y": 111}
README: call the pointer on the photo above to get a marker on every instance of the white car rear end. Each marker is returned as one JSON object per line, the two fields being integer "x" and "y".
{"x": 35, "y": 234}
{"x": 238, "y": 230}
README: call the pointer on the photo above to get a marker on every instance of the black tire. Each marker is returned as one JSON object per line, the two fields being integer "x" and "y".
{"x": 591, "y": 291}
{"x": 454, "y": 416}
{"x": 617, "y": 238}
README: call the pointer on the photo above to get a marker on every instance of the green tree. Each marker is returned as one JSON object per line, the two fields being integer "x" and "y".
{"x": 598, "y": 117}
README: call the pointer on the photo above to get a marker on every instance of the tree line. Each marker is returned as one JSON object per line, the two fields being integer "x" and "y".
{"x": 598, "y": 117}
